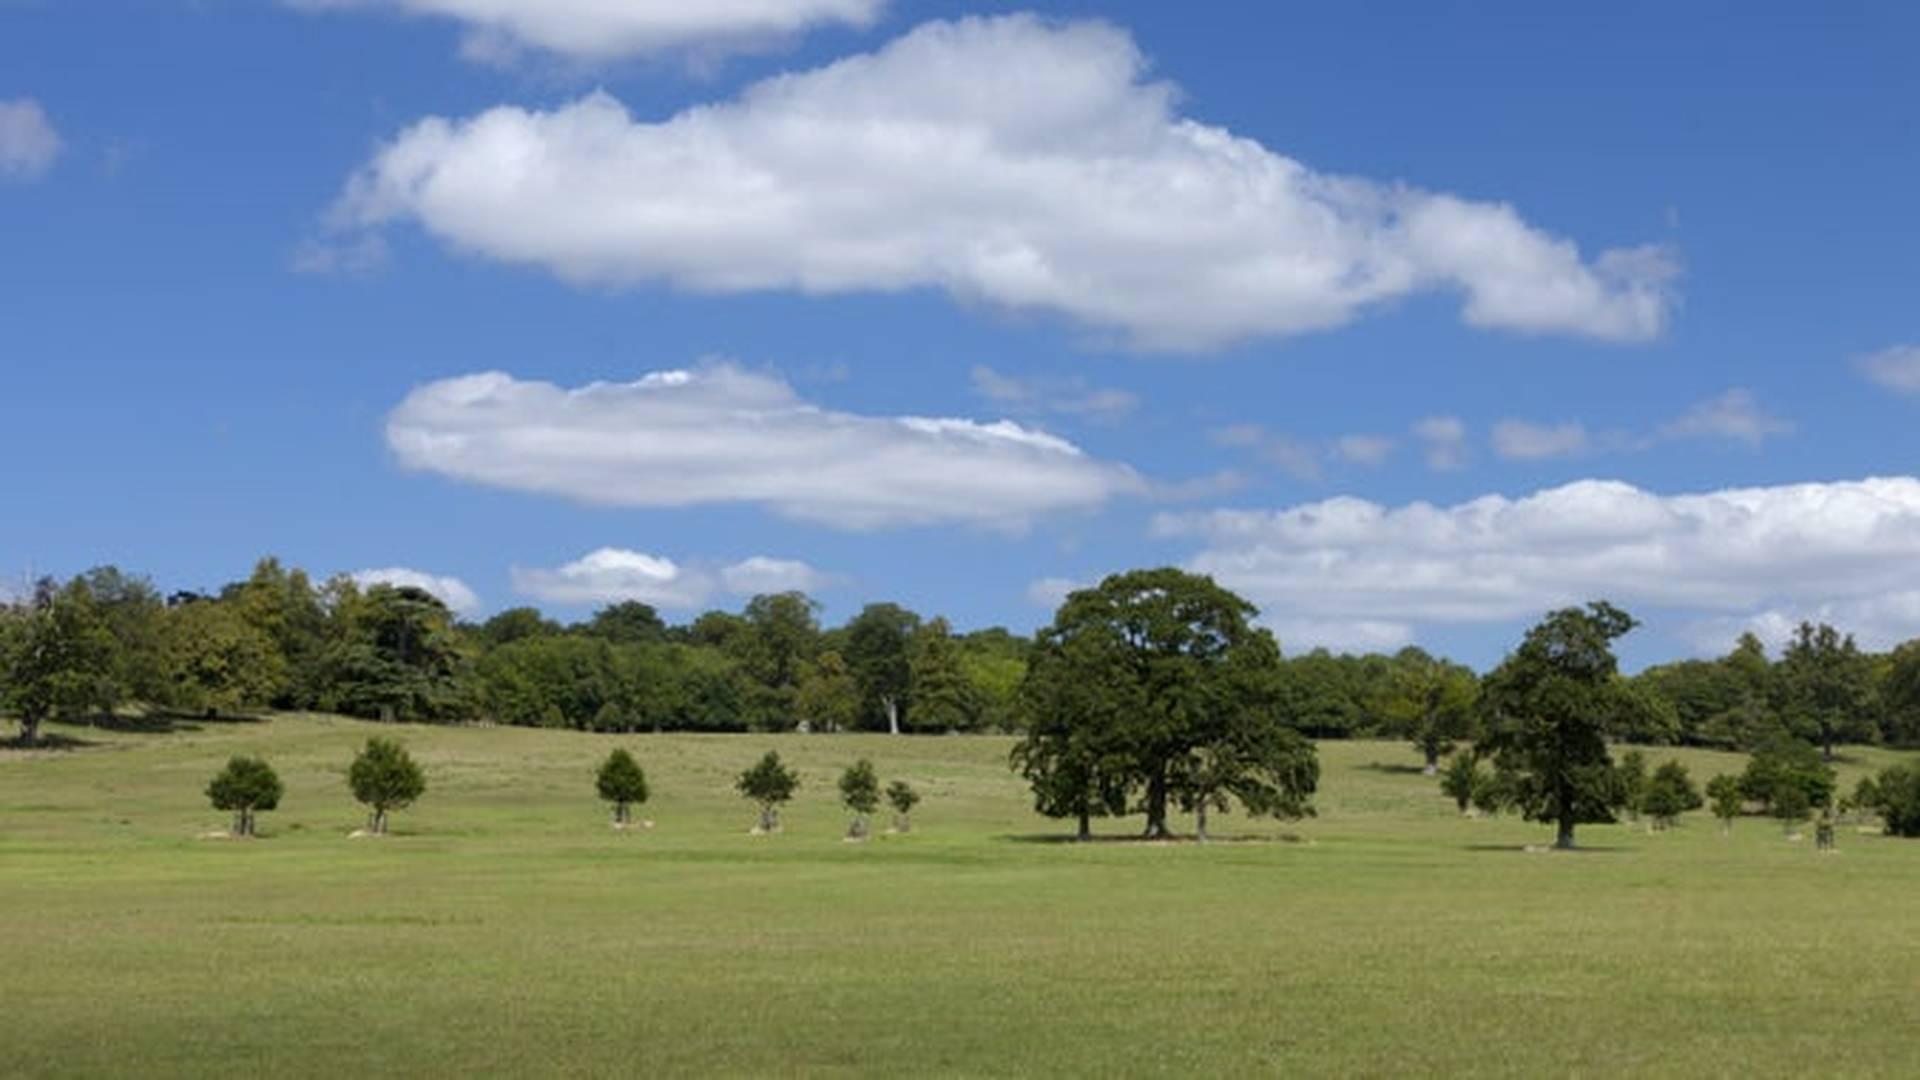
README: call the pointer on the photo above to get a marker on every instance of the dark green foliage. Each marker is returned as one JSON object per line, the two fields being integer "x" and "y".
{"x": 877, "y": 647}
{"x": 1788, "y": 769}
{"x": 1823, "y": 688}
{"x": 1495, "y": 791}
{"x": 245, "y": 787}
{"x": 517, "y": 624}
{"x": 768, "y": 783}
{"x": 1896, "y": 796}
{"x": 1155, "y": 684}
{"x": 622, "y": 783}
{"x": 1631, "y": 776}
{"x": 383, "y": 778}
{"x": 1546, "y": 712}
{"x": 860, "y": 794}
{"x": 1670, "y": 793}
{"x": 61, "y": 660}
{"x": 828, "y": 698}
{"x": 629, "y": 622}
{"x": 1430, "y": 703}
{"x": 943, "y": 699}
{"x": 902, "y": 797}
{"x": 393, "y": 655}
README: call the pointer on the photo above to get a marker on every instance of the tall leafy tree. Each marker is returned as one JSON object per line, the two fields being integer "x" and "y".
{"x": 1156, "y": 683}
{"x": 395, "y": 656}
{"x": 1824, "y": 688}
{"x": 629, "y": 622}
{"x": 942, "y": 696}
{"x": 1430, "y": 702}
{"x": 828, "y": 698}
{"x": 876, "y": 648}
{"x": 782, "y": 635}
{"x": 217, "y": 661}
{"x": 61, "y": 660}
{"x": 1546, "y": 711}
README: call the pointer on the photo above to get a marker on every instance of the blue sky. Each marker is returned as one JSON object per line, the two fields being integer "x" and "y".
{"x": 1410, "y": 323}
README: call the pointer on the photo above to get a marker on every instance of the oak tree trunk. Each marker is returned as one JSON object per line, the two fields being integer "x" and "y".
{"x": 1086, "y": 827}
{"x": 1564, "y": 841}
{"x": 1157, "y": 804}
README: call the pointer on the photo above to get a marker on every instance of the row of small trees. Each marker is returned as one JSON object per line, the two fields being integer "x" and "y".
{"x": 384, "y": 778}
{"x": 770, "y": 784}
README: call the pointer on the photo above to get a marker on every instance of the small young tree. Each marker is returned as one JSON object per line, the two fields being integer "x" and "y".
{"x": 1724, "y": 790}
{"x": 860, "y": 794}
{"x": 1631, "y": 775}
{"x": 384, "y": 778}
{"x": 903, "y": 798}
{"x": 1669, "y": 794}
{"x": 1462, "y": 773}
{"x": 622, "y": 783}
{"x": 245, "y": 787}
{"x": 769, "y": 783}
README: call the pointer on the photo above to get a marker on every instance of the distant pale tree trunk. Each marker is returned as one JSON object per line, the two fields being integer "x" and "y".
{"x": 892, "y": 705}
{"x": 1200, "y": 821}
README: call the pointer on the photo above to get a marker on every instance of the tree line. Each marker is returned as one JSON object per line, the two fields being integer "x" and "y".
{"x": 107, "y": 640}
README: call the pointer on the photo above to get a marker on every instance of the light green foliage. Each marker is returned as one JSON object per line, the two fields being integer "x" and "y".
{"x": 245, "y": 787}
{"x": 1547, "y": 710}
{"x": 1670, "y": 793}
{"x": 1430, "y": 703}
{"x": 1728, "y": 802}
{"x": 383, "y": 778}
{"x": 828, "y": 698}
{"x": 769, "y": 783}
{"x": 621, "y": 782}
{"x": 61, "y": 662}
{"x": 219, "y": 662}
{"x": 1460, "y": 777}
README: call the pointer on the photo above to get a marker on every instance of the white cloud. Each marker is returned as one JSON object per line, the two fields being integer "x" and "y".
{"x": 1335, "y": 635}
{"x": 1051, "y": 592}
{"x": 613, "y": 575}
{"x": 1734, "y": 415}
{"x": 721, "y": 434}
{"x": 1876, "y": 622}
{"x": 1018, "y": 161}
{"x": 1732, "y": 555}
{"x": 1443, "y": 440}
{"x": 603, "y": 30}
{"x": 1517, "y": 440}
{"x": 1363, "y": 449}
{"x": 451, "y": 591}
{"x": 1065, "y": 395}
{"x": 28, "y": 142}
{"x": 1896, "y": 368}
{"x": 759, "y": 574}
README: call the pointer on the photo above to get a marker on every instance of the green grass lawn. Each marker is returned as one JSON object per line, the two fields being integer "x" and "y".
{"x": 505, "y": 928}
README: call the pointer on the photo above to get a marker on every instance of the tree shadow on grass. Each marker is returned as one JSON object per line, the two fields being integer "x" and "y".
{"x": 1395, "y": 769}
{"x": 1547, "y": 849}
{"x": 47, "y": 741}
{"x": 1223, "y": 839}
{"x": 162, "y": 723}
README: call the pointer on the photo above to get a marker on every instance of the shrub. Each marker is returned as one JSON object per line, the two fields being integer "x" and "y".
{"x": 1669, "y": 794}
{"x": 903, "y": 799}
{"x": 1896, "y": 795}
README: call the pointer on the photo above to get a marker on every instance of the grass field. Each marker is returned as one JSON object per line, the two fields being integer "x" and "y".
{"x": 506, "y": 928}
